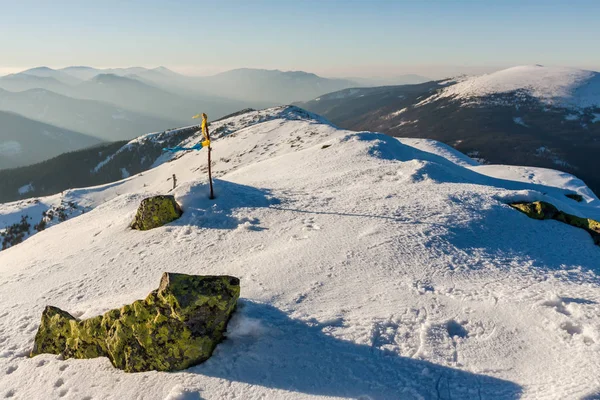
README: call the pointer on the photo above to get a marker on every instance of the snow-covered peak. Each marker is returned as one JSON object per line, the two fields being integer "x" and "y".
{"x": 371, "y": 268}
{"x": 551, "y": 85}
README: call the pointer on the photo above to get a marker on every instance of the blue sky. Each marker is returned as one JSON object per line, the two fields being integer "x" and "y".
{"x": 329, "y": 37}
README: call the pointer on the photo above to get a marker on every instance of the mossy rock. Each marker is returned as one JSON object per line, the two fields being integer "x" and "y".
{"x": 544, "y": 210}
{"x": 175, "y": 327}
{"x": 156, "y": 211}
{"x": 537, "y": 210}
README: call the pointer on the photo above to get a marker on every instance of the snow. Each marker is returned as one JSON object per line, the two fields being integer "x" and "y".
{"x": 572, "y": 117}
{"x": 552, "y": 85}
{"x": 10, "y": 148}
{"x": 26, "y": 189}
{"x": 440, "y": 149}
{"x": 519, "y": 121}
{"x": 395, "y": 113}
{"x": 403, "y": 123}
{"x": 596, "y": 118}
{"x": 375, "y": 268}
{"x": 124, "y": 173}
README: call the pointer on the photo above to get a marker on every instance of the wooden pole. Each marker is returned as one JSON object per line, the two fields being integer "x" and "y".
{"x": 212, "y": 193}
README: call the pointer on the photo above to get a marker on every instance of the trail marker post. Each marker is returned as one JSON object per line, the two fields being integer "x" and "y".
{"x": 206, "y": 134}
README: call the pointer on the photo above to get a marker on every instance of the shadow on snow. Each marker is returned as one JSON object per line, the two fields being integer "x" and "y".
{"x": 267, "y": 348}
{"x": 503, "y": 233}
{"x": 441, "y": 169}
{"x": 220, "y": 213}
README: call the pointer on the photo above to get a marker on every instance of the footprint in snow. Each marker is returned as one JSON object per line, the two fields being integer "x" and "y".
{"x": 456, "y": 329}
{"x": 309, "y": 225}
{"x": 296, "y": 237}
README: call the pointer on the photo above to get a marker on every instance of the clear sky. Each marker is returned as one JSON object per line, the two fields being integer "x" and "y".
{"x": 329, "y": 37}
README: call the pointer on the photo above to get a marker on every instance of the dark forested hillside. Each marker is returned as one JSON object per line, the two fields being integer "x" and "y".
{"x": 89, "y": 167}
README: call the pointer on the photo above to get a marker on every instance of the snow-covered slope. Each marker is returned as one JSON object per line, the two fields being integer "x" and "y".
{"x": 557, "y": 86}
{"x": 371, "y": 268}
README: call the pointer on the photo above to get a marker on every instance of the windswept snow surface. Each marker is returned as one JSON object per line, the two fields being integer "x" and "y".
{"x": 552, "y": 85}
{"x": 374, "y": 268}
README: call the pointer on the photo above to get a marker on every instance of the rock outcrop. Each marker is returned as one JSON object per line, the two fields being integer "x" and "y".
{"x": 175, "y": 327}
{"x": 156, "y": 211}
{"x": 544, "y": 210}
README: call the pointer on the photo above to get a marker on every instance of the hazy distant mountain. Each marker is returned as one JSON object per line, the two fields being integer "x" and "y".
{"x": 24, "y": 141}
{"x": 408, "y": 79}
{"x": 45, "y": 72}
{"x": 137, "y": 96}
{"x": 222, "y": 93}
{"x": 86, "y": 73}
{"x": 158, "y": 92}
{"x": 133, "y": 94}
{"x": 100, "y": 119}
{"x": 271, "y": 85}
{"x": 531, "y": 115}
{"x": 21, "y": 82}
{"x": 259, "y": 88}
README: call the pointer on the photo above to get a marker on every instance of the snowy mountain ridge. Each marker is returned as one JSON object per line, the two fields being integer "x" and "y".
{"x": 371, "y": 268}
{"x": 530, "y": 115}
{"x": 557, "y": 86}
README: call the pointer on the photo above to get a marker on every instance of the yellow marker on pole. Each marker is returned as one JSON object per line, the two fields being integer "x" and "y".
{"x": 206, "y": 143}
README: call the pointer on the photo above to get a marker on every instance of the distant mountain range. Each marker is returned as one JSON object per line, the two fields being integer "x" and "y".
{"x": 529, "y": 115}
{"x": 24, "y": 141}
{"x": 264, "y": 87}
{"x": 123, "y": 103}
{"x": 107, "y": 121}
{"x": 271, "y": 85}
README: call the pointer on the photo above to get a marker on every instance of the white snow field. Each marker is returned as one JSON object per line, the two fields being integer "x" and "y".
{"x": 374, "y": 268}
{"x": 559, "y": 86}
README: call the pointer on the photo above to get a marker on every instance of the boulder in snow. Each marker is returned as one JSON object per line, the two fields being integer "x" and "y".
{"x": 175, "y": 327}
{"x": 544, "y": 210}
{"x": 156, "y": 211}
{"x": 537, "y": 210}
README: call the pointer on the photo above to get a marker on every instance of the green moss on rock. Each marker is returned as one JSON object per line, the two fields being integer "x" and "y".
{"x": 156, "y": 211}
{"x": 544, "y": 210}
{"x": 175, "y": 327}
{"x": 537, "y": 210}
